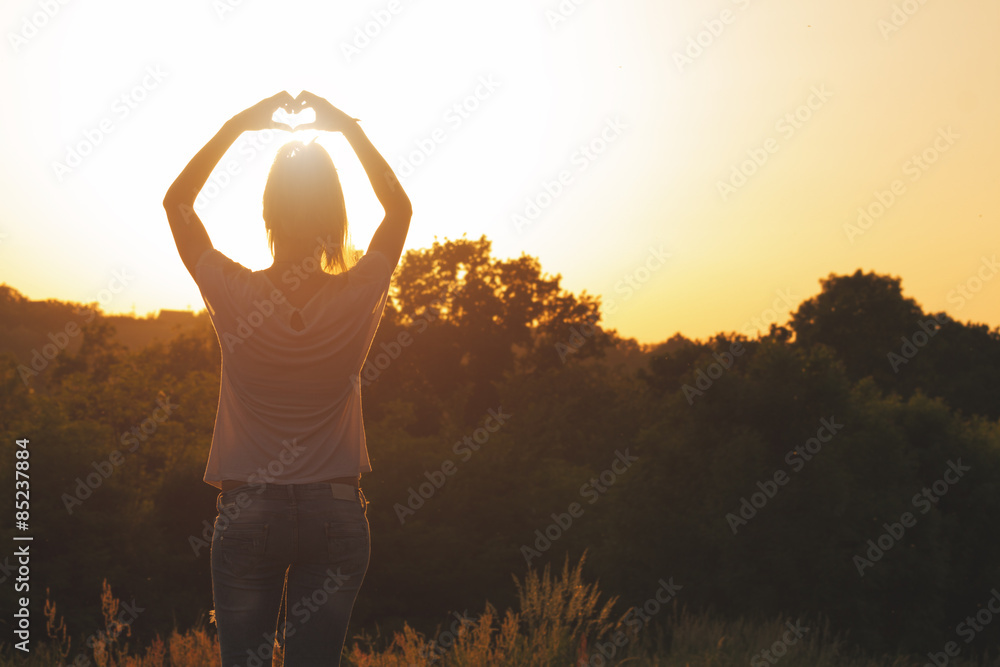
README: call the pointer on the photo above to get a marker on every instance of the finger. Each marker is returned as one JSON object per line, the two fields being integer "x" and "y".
{"x": 275, "y": 125}
{"x": 278, "y": 101}
{"x": 310, "y": 99}
{"x": 306, "y": 126}
{"x": 295, "y": 104}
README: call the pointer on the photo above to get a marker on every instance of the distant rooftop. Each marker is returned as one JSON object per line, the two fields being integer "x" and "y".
{"x": 175, "y": 316}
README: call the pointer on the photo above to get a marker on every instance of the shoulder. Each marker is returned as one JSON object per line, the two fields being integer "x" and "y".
{"x": 374, "y": 266}
{"x": 212, "y": 260}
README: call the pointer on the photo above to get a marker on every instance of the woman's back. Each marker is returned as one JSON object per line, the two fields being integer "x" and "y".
{"x": 282, "y": 383}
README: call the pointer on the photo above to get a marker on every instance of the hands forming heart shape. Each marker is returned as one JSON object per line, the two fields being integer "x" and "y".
{"x": 291, "y": 116}
{"x": 283, "y": 112}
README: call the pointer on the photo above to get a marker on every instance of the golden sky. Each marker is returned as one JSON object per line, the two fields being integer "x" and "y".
{"x": 696, "y": 164}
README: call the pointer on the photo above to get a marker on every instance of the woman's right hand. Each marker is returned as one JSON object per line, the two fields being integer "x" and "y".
{"x": 258, "y": 117}
{"x": 328, "y": 117}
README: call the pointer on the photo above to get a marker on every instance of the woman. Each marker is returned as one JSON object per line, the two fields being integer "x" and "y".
{"x": 289, "y": 446}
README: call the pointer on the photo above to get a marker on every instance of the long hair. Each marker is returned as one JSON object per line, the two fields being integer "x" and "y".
{"x": 304, "y": 201}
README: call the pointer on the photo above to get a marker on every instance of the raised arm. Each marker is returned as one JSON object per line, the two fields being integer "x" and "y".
{"x": 189, "y": 232}
{"x": 391, "y": 233}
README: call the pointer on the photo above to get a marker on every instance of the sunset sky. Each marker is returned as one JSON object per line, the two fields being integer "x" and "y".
{"x": 693, "y": 163}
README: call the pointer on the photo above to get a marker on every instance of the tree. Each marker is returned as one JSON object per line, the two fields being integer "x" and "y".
{"x": 862, "y": 317}
{"x": 878, "y": 332}
{"x": 467, "y": 319}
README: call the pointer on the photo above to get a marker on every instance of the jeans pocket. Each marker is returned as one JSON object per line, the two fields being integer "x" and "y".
{"x": 241, "y": 546}
{"x": 347, "y": 544}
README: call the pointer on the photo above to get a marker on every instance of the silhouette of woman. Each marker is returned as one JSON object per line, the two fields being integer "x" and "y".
{"x": 289, "y": 445}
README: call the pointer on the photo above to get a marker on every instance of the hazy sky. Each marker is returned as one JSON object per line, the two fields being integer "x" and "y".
{"x": 694, "y": 163}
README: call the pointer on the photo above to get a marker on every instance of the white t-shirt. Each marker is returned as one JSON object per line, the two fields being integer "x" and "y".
{"x": 290, "y": 401}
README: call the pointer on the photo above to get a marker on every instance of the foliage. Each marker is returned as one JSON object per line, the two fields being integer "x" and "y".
{"x": 707, "y": 426}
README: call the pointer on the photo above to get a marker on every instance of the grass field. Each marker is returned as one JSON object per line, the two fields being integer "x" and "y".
{"x": 560, "y": 622}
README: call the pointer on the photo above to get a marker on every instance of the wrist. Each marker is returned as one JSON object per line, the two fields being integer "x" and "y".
{"x": 234, "y": 125}
{"x": 351, "y": 128}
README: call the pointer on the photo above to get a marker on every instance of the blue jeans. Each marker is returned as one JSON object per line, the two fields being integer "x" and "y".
{"x": 295, "y": 540}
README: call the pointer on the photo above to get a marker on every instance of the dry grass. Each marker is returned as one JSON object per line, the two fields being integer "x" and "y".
{"x": 558, "y": 618}
{"x": 108, "y": 648}
{"x": 561, "y": 622}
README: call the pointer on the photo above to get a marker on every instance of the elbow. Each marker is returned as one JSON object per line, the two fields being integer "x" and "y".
{"x": 173, "y": 204}
{"x": 170, "y": 201}
{"x": 404, "y": 209}
{"x": 175, "y": 200}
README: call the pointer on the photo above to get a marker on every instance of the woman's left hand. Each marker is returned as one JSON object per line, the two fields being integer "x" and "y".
{"x": 260, "y": 115}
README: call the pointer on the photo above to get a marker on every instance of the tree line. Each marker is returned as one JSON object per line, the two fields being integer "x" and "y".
{"x": 843, "y": 465}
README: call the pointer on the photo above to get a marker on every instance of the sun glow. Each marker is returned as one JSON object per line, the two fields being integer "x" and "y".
{"x": 478, "y": 131}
